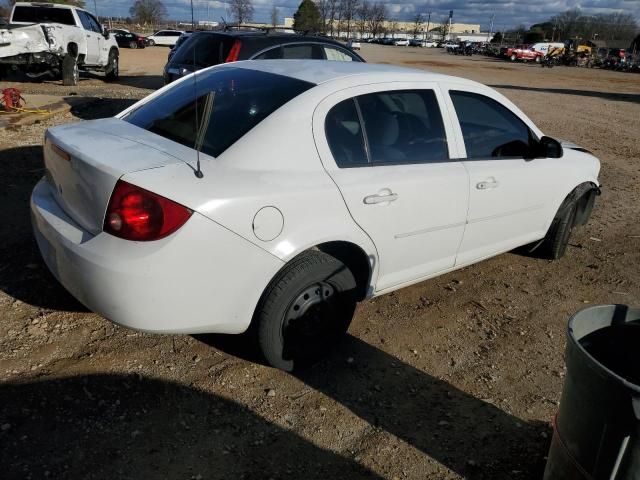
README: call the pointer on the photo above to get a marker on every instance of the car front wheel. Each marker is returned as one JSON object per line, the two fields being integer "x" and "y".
{"x": 306, "y": 310}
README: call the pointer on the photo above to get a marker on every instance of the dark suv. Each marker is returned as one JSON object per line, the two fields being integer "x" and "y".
{"x": 204, "y": 49}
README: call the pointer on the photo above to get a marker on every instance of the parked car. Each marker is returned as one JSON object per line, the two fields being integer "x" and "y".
{"x": 526, "y": 53}
{"x": 354, "y": 44}
{"x": 57, "y": 40}
{"x": 204, "y": 49}
{"x": 279, "y": 194}
{"x": 401, "y": 42}
{"x": 128, "y": 39}
{"x": 167, "y": 38}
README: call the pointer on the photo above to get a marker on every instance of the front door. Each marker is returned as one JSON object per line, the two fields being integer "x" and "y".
{"x": 94, "y": 37}
{"x": 510, "y": 193}
{"x": 387, "y": 151}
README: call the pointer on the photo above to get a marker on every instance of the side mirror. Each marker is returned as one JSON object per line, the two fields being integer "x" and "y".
{"x": 105, "y": 33}
{"x": 550, "y": 148}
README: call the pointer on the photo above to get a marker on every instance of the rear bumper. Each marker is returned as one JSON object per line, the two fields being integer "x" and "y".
{"x": 201, "y": 279}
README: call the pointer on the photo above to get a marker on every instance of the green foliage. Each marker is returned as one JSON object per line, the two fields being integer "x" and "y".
{"x": 497, "y": 38}
{"x": 307, "y": 17}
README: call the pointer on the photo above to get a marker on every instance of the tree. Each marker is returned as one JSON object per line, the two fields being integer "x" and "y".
{"x": 148, "y": 11}
{"x": 241, "y": 10}
{"x": 274, "y": 16}
{"x": 534, "y": 35}
{"x": 363, "y": 14}
{"x": 497, "y": 38}
{"x": 4, "y": 11}
{"x": 307, "y": 17}
{"x": 349, "y": 10}
{"x": 377, "y": 17}
{"x": 417, "y": 25}
{"x": 324, "y": 9}
{"x": 333, "y": 11}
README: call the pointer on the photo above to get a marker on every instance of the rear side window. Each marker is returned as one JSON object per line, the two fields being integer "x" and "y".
{"x": 43, "y": 15}
{"x": 203, "y": 50}
{"x": 337, "y": 55}
{"x": 344, "y": 135}
{"x": 271, "y": 54}
{"x": 489, "y": 129}
{"x": 403, "y": 127}
{"x": 217, "y": 110}
{"x": 302, "y": 51}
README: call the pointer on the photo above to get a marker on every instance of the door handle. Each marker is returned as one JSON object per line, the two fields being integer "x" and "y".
{"x": 380, "y": 198}
{"x": 488, "y": 184}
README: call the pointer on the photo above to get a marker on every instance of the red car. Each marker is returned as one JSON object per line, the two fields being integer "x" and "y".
{"x": 523, "y": 52}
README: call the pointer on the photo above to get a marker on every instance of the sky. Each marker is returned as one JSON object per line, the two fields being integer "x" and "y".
{"x": 507, "y": 13}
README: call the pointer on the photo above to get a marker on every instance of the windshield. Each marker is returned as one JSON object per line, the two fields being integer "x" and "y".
{"x": 229, "y": 102}
{"x": 43, "y": 15}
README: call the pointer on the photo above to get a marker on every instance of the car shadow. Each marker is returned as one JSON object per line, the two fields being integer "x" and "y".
{"x": 132, "y": 427}
{"x": 23, "y": 274}
{"x": 619, "y": 97}
{"x": 470, "y": 436}
{"x": 90, "y": 108}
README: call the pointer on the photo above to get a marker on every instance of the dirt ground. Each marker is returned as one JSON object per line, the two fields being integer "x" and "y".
{"x": 456, "y": 377}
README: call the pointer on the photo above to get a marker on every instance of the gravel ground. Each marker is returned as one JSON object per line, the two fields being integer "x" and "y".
{"x": 456, "y": 377}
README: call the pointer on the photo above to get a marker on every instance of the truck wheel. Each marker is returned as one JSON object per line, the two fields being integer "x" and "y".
{"x": 513, "y": 58}
{"x": 113, "y": 66}
{"x": 70, "y": 71}
{"x": 306, "y": 310}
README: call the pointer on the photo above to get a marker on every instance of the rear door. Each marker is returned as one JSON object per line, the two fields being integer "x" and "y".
{"x": 386, "y": 147}
{"x": 509, "y": 192}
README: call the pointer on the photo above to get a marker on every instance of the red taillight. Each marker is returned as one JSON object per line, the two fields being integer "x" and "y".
{"x": 137, "y": 214}
{"x": 234, "y": 53}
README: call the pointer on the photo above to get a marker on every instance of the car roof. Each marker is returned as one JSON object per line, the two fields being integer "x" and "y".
{"x": 319, "y": 71}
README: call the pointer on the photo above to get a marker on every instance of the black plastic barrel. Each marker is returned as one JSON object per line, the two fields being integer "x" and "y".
{"x": 597, "y": 429}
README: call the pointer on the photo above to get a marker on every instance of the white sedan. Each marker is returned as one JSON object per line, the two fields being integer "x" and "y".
{"x": 278, "y": 194}
{"x": 167, "y": 38}
{"x": 402, "y": 42}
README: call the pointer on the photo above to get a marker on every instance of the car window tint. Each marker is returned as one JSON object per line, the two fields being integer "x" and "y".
{"x": 403, "y": 127}
{"x": 203, "y": 50}
{"x": 490, "y": 130}
{"x": 271, "y": 54}
{"x": 302, "y": 51}
{"x": 95, "y": 25}
{"x": 238, "y": 99}
{"x": 43, "y": 15}
{"x": 337, "y": 55}
{"x": 344, "y": 135}
{"x": 84, "y": 19}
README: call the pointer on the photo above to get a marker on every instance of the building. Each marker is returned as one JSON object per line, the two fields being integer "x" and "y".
{"x": 398, "y": 29}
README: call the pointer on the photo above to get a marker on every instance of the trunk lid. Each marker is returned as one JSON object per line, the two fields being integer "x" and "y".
{"x": 99, "y": 153}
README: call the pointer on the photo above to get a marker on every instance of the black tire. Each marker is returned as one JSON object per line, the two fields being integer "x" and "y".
{"x": 112, "y": 70}
{"x": 70, "y": 71}
{"x": 133, "y": 45}
{"x": 554, "y": 244}
{"x": 152, "y": 43}
{"x": 513, "y": 58}
{"x": 305, "y": 310}
{"x": 3, "y": 71}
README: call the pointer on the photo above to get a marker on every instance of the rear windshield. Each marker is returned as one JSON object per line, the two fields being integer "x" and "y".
{"x": 218, "y": 109}
{"x": 203, "y": 50}
{"x": 43, "y": 15}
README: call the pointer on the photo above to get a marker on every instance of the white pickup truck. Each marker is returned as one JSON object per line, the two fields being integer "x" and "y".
{"x": 50, "y": 39}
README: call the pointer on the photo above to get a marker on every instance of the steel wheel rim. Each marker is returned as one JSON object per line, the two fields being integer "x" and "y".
{"x": 308, "y": 318}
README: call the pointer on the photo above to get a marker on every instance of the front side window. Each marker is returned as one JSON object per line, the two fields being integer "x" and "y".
{"x": 403, "y": 127}
{"x": 335, "y": 54}
{"x": 84, "y": 19}
{"x": 489, "y": 129}
{"x": 218, "y": 107}
{"x": 94, "y": 25}
{"x": 344, "y": 135}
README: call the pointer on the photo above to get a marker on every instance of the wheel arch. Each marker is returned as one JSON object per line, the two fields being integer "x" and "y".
{"x": 583, "y": 197}
{"x": 72, "y": 49}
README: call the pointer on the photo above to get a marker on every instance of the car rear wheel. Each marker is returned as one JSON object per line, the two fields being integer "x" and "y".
{"x": 112, "y": 71}
{"x": 133, "y": 45}
{"x": 70, "y": 71}
{"x": 306, "y": 310}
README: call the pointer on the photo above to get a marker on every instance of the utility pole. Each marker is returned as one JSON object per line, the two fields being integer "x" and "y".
{"x": 193, "y": 25}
